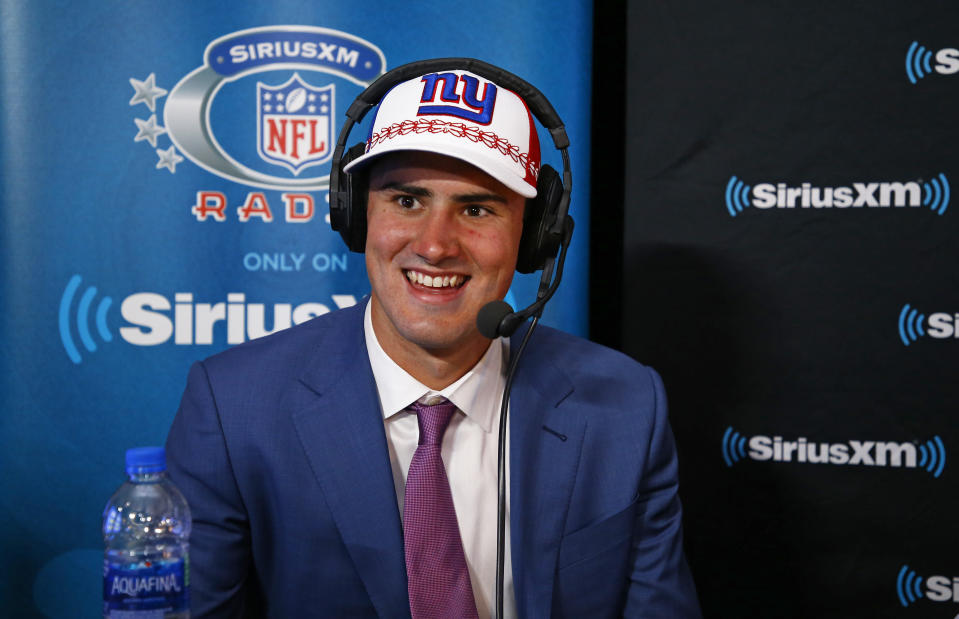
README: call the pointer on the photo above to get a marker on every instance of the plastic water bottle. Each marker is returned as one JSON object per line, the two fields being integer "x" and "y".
{"x": 146, "y": 528}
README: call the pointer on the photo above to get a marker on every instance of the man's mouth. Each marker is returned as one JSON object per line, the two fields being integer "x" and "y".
{"x": 435, "y": 281}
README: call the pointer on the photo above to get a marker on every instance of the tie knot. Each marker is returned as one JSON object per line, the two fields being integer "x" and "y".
{"x": 433, "y": 420}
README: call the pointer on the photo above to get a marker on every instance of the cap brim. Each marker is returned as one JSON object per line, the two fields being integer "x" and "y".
{"x": 492, "y": 167}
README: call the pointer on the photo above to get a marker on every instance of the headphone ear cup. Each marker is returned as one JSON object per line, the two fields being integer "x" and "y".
{"x": 537, "y": 244}
{"x": 348, "y": 202}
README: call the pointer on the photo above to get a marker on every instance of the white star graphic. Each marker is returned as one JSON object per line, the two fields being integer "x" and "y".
{"x": 267, "y": 107}
{"x": 146, "y": 92}
{"x": 312, "y": 97}
{"x": 168, "y": 159}
{"x": 324, "y": 109}
{"x": 267, "y": 96}
{"x": 311, "y": 108}
{"x": 148, "y": 130}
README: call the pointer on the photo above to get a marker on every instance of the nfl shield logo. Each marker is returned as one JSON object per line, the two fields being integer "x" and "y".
{"x": 294, "y": 123}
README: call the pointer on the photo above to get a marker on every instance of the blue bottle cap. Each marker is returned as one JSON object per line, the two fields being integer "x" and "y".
{"x": 146, "y": 460}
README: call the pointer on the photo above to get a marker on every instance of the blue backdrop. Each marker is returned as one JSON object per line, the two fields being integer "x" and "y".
{"x": 156, "y": 209}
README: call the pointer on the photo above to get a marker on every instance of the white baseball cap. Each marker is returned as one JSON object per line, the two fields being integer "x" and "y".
{"x": 462, "y": 115}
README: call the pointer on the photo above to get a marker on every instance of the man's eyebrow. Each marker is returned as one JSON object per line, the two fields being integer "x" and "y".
{"x": 413, "y": 190}
{"x": 423, "y": 192}
{"x": 479, "y": 197}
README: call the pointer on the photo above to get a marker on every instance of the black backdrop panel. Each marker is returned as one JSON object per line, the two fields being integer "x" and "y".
{"x": 806, "y": 339}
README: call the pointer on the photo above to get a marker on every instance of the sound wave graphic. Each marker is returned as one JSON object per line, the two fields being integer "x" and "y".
{"x": 734, "y": 446}
{"x": 917, "y": 62}
{"x": 737, "y": 196}
{"x": 82, "y": 319}
{"x": 932, "y": 456}
{"x": 937, "y": 194}
{"x": 910, "y": 324}
{"x": 908, "y": 586}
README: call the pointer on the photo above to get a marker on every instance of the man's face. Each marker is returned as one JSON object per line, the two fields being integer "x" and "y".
{"x": 442, "y": 241}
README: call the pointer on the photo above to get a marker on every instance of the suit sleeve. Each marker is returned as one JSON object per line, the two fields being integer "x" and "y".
{"x": 661, "y": 584}
{"x": 199, "y": 464}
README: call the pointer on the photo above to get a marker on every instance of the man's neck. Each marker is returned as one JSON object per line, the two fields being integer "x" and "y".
{"x": 437, "y": 369}
{"x": 437, "y": 363}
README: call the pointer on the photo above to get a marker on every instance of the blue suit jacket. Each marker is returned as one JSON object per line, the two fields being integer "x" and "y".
{"x": 279, "y": 447}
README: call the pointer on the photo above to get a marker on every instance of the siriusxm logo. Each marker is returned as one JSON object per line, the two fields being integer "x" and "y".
{"x": 909, "y": 587}
{"x": 292, "y": 128}
{"x": 930, "y": 456}
{"x": 933, "y": 194}
{"x": 151, "y": 319}
{"x": 919, "y": 61}
{"x": 914, "y": 325}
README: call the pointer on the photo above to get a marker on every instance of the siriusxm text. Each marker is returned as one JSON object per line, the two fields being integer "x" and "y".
{"x": 947, "y": 61}
{"x": 294, "y": 50}
{"x": 866, "y": 453}
{"x": 942, "y": 588}
{"x": 768, "y": 195}
{"x": 151, "y": 323}
{"x": 942, "y": 325}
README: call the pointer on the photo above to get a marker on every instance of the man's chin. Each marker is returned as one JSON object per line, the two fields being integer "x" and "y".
{"x": 441, "y": 344}
{"x": 438, "y": 342}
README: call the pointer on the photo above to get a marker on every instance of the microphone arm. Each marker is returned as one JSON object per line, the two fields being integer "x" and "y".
{"x": 501, "y": 469}
{"x": 506, "y": 326}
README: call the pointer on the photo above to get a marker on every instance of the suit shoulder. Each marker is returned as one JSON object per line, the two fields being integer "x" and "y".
{"x": 291, "y": 346}
{"x": 600, "y": 377}
{"x": 579, "y": 354}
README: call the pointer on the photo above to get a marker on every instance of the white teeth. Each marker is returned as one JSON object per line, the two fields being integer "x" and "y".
{"x": 439, "y": 281}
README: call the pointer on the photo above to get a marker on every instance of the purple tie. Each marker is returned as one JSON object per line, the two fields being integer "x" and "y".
{"x": 439, "y": 581}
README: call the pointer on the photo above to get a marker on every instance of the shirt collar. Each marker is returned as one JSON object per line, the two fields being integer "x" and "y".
{"x": 477, "y": 393}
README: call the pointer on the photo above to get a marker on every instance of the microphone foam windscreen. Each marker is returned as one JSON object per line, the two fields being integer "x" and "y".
{"x": 490, "y": 316}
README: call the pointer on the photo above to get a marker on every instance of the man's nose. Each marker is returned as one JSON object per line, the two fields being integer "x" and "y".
{"x": 438, "y": 236}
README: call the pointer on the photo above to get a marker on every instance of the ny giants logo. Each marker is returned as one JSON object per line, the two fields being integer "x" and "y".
{"x": 467, "y": 106}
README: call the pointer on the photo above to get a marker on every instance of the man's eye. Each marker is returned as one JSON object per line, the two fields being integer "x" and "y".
{"x": 406, "y": 201}
{"x": 476, "y": 211}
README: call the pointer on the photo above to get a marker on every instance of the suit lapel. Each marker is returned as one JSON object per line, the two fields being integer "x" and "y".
{"x": 341, "y": 429}
{"x": 546, "y": 439}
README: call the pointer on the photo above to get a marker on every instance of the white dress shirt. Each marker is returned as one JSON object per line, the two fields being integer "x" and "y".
{"x": 469, "y": 453}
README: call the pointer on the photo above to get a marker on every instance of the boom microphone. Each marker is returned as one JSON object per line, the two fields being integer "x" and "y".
{"x": 491, "y": 318}
{"x": 497, "y": 319}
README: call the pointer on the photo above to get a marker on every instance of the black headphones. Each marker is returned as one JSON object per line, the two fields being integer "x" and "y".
{"x": 545, "y": 224}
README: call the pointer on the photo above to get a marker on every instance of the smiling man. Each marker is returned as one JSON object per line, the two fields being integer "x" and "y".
{"x": 442, "y": 242}
{"x": 347, "y": 467}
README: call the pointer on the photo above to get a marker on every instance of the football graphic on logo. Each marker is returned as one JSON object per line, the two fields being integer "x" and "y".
{"x": 296, "y": 100}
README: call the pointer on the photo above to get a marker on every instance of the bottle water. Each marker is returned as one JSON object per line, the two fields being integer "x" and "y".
{"x": 146, "y": 528}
